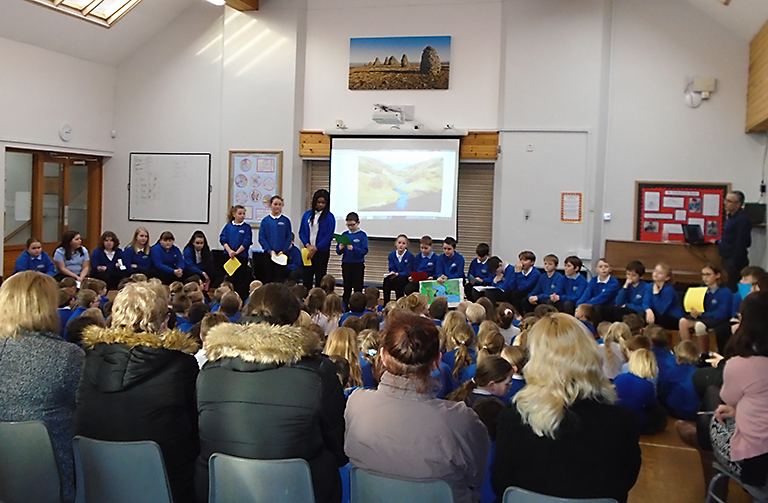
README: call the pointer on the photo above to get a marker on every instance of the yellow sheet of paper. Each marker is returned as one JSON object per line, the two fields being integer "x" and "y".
{"x": 231, "y": 266}
{"x": 305, "y": 257}
{"x": 694, "y": 298}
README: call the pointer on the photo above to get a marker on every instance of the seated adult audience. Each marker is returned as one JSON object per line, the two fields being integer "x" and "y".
{"x": 38, "y": 369}
{"x": 266, "y": 393}
{"x": 138, "y": 383}
{"x": 563, "y": 436}
{"x": 400, "y": 430}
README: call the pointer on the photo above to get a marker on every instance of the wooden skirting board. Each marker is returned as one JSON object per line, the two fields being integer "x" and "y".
{"x": 476, "y": 145}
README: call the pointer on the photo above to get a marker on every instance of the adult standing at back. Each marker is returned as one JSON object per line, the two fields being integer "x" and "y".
{"x": 735, "y": 239}
{"x": 316, "y": 233}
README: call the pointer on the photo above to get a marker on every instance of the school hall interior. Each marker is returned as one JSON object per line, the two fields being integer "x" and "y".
{"x": 586, "y": 95}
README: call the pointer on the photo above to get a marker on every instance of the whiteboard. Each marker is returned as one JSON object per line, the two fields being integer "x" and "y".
{"x": 169, "y": 187}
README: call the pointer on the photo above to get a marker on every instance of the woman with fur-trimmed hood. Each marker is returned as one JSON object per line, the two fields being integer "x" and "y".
{"x": 266, "y": 393}
{"x": 138, "y": 383}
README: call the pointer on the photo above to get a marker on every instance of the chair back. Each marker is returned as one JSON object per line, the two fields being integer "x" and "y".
{"x": 366, "y": 487}
{"x": 28, "y": 469}
{"x": 517, "y": 495}
{"x": 240, "y": 480}
{"x": 120, "y": 472}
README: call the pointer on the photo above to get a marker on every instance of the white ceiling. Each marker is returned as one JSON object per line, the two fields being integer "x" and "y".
{"x": 36, "y": 25}
{"x": 43, "y": 27}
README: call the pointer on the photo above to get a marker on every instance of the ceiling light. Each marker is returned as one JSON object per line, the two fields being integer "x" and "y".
{"x": 222, "y": 2}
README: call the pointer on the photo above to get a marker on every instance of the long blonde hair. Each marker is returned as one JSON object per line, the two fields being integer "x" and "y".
{"x": 135, "y": 245}
{"x": 643, "y": 364}
{"x": 564, "y": 366}
{"x": 342, "y": 341}
{"x": 452, "y": 320}
{"x": 29, "y": 301}
{"x": 489, "y": 342}
{"x": 618, "y": 333}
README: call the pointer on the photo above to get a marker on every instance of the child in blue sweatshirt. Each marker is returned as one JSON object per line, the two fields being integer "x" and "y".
{"x": 636, "y": 391}
{"x": 631, "y": 295}
{"x": 601, "y": 290}
{"x": 717, "y": 312}
{"x": 425, "y": 262}
{"x": 107, "y": 260}
{"x": 275, "y": 239}
{"x": 400, "y": 264}
{"x": 676, "y": 390}
{"x": 35, "y": 259}
{"x": 550, "y": 284}
{"x": 237, "y": 237}
{"x": 661, "y": 303}
{"x": 197, "y": 256}
{"x": 574, "y": 285}
{"x": 449, "y": 265}
{"x": 353, "y": 256}
{"x": 526, "y": 279}
{"x": 295, "y": 265}
{"x": 478, "y": 274}
{"x": 167, "y": 260}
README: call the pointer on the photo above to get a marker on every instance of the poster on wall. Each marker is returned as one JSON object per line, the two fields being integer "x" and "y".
{"x": 254, "y": 177}
{"x": 570, "y": 207}
{"x": 385, "y": 63}
{"x": 662, "y": 208}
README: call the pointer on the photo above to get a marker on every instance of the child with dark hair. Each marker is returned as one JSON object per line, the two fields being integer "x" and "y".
{"x": 425, "y": 262}
{"x": 601, "y": 290}
{"x": 197, "y": 256}
{"x": 372, "y": 299}
{"x": 295, "y": 267}
{"x": 237, "y": 237}
{"x": 195, "y": 314}
{"x": 353, "y": 256}
{"x": 478, "y": 273}
{"x": 300, "y": 292}
{"x": 354, "y": 323}
{"x": 33, "y": 258}
{"x": 550, "y": 284}
{"x": 438, "y": 309}
{"x": 230, "y": 306}
{"x": 585, "y": 313}
{"x": 357, "y": 303}
{"x": 574, "y": 285}
{"x": 107, "y": 260}
{"x": 631, "y": 295}
{"x": 370, "y": 320}
{"x": 167, "y": 260}
{"x": 400, "y": 264}
{"x": 449, "y": 265}
{"x": 316, "y": 232}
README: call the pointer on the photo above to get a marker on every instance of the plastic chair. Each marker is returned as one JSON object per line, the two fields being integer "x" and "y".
{"x": 366, "y": 487}
{"x": 120, "y": 472}
{"x": 240, "y": 480}
{"x": 517, "y": 495}
{"x": 28, "y": 469}
{"x": 759, "y": 494}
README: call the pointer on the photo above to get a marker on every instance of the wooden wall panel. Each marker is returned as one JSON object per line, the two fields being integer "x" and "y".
{"x": 476, "y": 145}
{"x": 757, "y": 91}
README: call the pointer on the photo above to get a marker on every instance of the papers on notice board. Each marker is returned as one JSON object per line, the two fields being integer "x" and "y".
{"x": 652, "y": 201}
{"x": 711, "y": 205}
{"x": 694, "y": 298}
{"x": 231, "y": 266}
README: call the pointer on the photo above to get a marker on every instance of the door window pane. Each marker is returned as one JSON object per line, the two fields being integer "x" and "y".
{"x": 18, "y": 198}
{"x": 78, "y": 199}
{"x": 51, "y": 203}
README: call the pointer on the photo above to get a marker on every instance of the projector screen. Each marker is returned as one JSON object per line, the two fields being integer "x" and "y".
{"x": 397, "y": 185}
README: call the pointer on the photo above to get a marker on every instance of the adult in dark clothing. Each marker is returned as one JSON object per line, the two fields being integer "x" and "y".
{"x": 38, "y": 369}
{"x": 266, "y": 393}
{"x": 736, "y": 238}
{"x": 562, "y": 436}
{"x": 138, "y": 383}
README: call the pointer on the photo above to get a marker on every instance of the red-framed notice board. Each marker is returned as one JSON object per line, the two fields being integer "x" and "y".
{"x": 661, "y": 208}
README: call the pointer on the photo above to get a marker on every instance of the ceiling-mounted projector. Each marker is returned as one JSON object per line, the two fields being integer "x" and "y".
{"x": 392, "y": 114}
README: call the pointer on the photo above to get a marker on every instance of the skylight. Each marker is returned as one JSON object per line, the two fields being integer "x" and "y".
{"x": 102, "y": 12}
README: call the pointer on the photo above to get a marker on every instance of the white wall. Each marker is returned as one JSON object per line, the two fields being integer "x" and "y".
{"x": 472, "y": 98}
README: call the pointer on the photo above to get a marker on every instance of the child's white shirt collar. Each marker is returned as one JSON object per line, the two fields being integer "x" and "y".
{"x": 605, "y": 280}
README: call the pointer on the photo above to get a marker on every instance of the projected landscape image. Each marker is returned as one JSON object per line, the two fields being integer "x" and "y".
{"x": 416, "y": 187}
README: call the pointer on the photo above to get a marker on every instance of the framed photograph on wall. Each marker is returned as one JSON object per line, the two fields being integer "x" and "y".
{"x": 254, "y": 177}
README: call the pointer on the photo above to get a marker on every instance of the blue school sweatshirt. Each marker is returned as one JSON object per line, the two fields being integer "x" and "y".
{"x": 275, "y": 234}
{"x": 509, "y": 281}
{"x": 547, "y": 285}
{"x": 236, "y": 236}
{"x": 449, "y": 359}
{"x": 718, "y": 304}
{"x": 426, "y": 263}
{"x": 294, "y": 259}
{"x": 401, "y": 267}
{"x": 479, "y": 271}
{"x": 635, "y": 393}
{"x": 664, "y": 302}
{"x": 676, "y": 390}
{"x": 99, "y": 258}
{"x": 527, "y": 282}
{"x": 573, "y": 288}
{"x": 350, "y": 313}
{"x": 665, "y": 360}
{"x": 142, "y": 260}
{"x": 166, "y": 261}
{"x": 193, "y": 267}
{"x": 356, "y": 255}
{"x": 452, "y": 267}
{"x": 325, "y": 227}
{"x": 599, "y": 294}
{"x": 41, "y": 263}
{"x": 632, "y": 296}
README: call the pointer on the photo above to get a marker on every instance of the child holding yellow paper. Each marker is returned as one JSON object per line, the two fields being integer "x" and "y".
{"x": 237, "y": 238}
{"x": 716, "y": 313}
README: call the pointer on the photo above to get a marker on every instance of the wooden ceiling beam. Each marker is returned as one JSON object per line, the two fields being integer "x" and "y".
{"x": 243, "y": 5}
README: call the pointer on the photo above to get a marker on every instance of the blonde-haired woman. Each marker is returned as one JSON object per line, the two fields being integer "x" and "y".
{"x": 38, "y": 369}
{"x": 563, "y": 436}
{"x": 139, "y": 383}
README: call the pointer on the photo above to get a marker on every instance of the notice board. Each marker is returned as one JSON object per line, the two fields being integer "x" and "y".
{"x": 169, "y": 187}
{"x": 661, "y": 208}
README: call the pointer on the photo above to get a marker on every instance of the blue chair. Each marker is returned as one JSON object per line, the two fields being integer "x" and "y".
{"x": 366, "y": 487}
{"x": 517, "y": 495}
{"x": 120, "y": 472}
{"x": 240, "y": 480}
{"x": 28, "y": 469}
